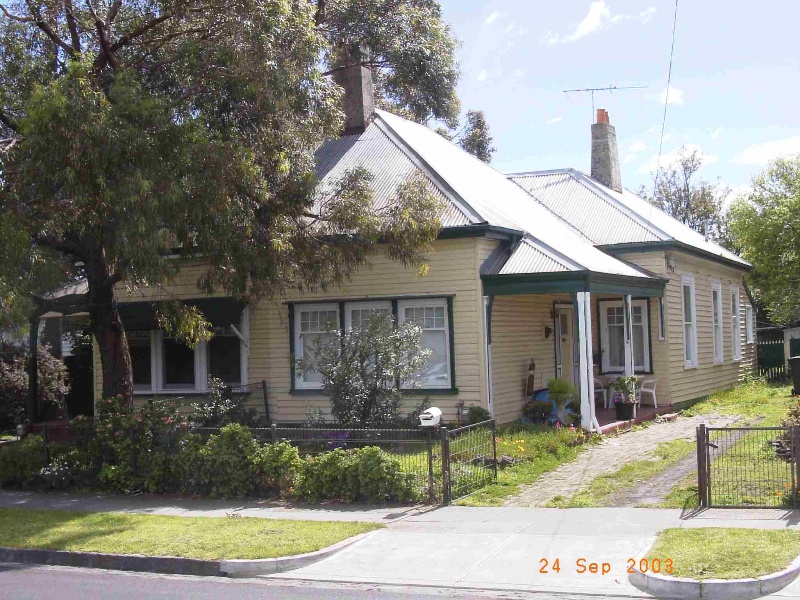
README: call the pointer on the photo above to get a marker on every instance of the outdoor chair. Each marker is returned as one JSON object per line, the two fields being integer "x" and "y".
{"x": 600, "y": 388}
{"x": 649, "y": 387}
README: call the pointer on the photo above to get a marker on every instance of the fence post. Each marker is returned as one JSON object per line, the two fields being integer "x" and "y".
{"x": 431, "y": 490}
{"x": 274, "y": 431}
{"x": 702, "y": 474}
{"x": 494, "y": 448}
{"x": 445, "y": 466}
{"x": 795, "y": 462}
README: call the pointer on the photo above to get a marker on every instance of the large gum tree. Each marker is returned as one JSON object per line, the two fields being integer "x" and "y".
{"x": 138, "y": 134}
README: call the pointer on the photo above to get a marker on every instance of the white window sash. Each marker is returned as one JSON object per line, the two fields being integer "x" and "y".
{"x": 604, "y": 337}
{"x": 717, "y": 323}
{"x": 748, "y": 322}
{"x": 736, "y": 324}
{"x": 402, "y": 305}
{"x": 299, "y": 380}
{"x": 689, "y": 322}
{"x": 374, "y": 305}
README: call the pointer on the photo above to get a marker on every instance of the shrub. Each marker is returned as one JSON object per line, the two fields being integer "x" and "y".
{"x": 536, "y": 410}
{"x": 477, "y": 414}
{"x": 227, "y": 463}
{"x": 276, "y": 466}
{"x": 223, "y": 408}
{"x": 53, "y": 385}
{"x": 561, "y": 392}
{"x": 21, "y": 462}
{"x": 363, "y": 475}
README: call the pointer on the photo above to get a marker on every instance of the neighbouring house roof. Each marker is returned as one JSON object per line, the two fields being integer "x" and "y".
{"x": 613, "y": 219}
{"x": 476, "y": 194}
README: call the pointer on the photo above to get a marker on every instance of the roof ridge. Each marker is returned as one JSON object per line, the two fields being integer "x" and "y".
{"x": 444, "y": 186}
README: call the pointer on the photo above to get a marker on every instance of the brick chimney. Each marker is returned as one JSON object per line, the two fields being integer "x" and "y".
{"x": 359, "y": 100}
{"x": 605, "y": 157}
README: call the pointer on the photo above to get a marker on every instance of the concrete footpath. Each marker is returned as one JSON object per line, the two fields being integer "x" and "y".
{"x": 505, "y": 548}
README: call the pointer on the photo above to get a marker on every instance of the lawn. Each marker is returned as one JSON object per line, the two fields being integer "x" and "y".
{"x": 211, "y": 538}
{"x": 717, "y": 553}
{"x": 538, "y": 449}
{"x": 603, "y": 487}
{"x": 758, "y": 403}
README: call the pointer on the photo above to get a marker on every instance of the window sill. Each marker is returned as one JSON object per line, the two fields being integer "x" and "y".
{"x": 409, "y": 392}
{"x": 687, "y": 367}
{"x": 170, "y": 393}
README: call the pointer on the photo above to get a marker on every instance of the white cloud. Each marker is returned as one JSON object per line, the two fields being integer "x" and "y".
{"x": 761, "y": 154}
{"x": 518, "y": 73}
{"x": 494, "y": 17}
{"x": 628, "y": 159}
{"x": 482, "y": 75}
{"x": 716, "y": 133}
{"x": 554, "y": 120}
{"x": 671, "y": 158}
{"x": 675, "y": 96}
{"x": 637, "y": 147}
{"x": 598, "y": 18}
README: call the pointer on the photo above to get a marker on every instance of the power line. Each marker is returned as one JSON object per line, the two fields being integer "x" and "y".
{"x": 666, "y": 100}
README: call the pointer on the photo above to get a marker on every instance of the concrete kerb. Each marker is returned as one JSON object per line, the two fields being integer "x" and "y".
{"x": 681, "y": 588}
{"x": 173, "y": 565}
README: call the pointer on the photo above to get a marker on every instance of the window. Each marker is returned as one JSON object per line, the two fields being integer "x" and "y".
{"x": 431, "y": 316}
{"x": 748, "y": 322}
{"x": 736, "y": 325}
{"x": 662, "y": 333}
{"x": 612, "y": 327}
{"x": 166, "y": 365}
{"x": 313, "y": 323}
{"x": 689, "y": 323}
{"x": 357, "y": 313}
{"x": 716, "y": 312}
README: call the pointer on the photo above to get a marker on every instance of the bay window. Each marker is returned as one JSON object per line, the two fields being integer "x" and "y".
{"x": 612, "y": 335}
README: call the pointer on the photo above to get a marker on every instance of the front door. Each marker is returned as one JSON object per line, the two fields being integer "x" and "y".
{"x": 565, "y": 344}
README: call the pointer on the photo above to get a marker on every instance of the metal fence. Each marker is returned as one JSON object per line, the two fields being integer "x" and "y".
{"x": 771, "y": 361}
{"x": 750, "y": 467}
{"x": 469, "y": 459}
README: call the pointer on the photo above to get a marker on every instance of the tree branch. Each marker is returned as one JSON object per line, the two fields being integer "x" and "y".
{"x": 319, "y": 16}
{"x": 72, "y": 24}
{"x": 54, "y": 37}
{"x": 6, "y": 120}
{"x": 16, "y": 18}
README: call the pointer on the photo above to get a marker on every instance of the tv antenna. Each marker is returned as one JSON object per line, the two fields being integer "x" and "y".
{"x": 610, "y": 88}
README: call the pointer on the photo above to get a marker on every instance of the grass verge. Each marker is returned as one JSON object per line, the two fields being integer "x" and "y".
{"x": 719, "y": 553}
{"x": 603, "y": 487}
{"x": 539, "y": 449}
{"x": 210, "y": 538}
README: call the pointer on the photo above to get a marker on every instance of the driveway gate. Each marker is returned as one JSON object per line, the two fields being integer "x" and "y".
{"x": 469, "y": 459}
{"x": 748, "y": 467}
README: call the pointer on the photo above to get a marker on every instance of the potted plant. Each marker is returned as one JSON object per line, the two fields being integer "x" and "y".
{"x": 537, "y": 410}
{"x": 561, "y": 393}
{"x": 624, "y": 396}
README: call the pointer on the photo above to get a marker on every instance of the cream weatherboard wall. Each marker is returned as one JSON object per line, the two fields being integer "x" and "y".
{"x": 453, "y": 271}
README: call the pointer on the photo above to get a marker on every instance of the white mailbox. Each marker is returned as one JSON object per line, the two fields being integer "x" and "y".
{"x": 430, "y": 417}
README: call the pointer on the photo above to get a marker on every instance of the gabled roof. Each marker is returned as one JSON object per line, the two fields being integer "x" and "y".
{"x": 612, "y": 219}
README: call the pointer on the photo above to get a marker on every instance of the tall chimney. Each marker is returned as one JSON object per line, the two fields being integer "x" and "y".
{"x": 359, "y": 101}
{"x": 605, "y": 157}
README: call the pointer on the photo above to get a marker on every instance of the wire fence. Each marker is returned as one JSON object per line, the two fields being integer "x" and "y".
{"x": 471, "y": 454}
{"x": 752, "y": 467}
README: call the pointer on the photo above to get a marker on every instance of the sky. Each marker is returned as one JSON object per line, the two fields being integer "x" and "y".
{"x": 733, "y": 96}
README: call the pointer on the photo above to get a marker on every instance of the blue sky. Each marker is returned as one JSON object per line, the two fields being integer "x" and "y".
{"x": 734, "y": 90}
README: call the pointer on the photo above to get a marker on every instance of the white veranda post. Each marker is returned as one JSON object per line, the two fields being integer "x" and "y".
{"x": 628, "y": 338}
{"x": 583, "y": 310}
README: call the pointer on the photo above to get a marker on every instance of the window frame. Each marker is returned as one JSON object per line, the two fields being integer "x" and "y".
{"x": 201, "y": 365}
{"x": 344, "y": 306}
{"x": 748, "y": 323}
{"x": 602, "y": 319}
{"x": 717, "y": 324}
{"x": 365, "y": 305}
{"x": 662, "y": 326}
{"x": 688, "y": 281}
{"x": 297, "y": 347}
{"x": 433, "y": 302}
{"x": 736, "y": 324}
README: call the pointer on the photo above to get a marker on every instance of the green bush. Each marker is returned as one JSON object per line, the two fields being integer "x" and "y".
{"x": 21, "y": 462}
{"x": 536, "y": 410}
{"x": 276, "y": 467}
{"x": 53, "y": 385}
{"x": 477, "y": 414}
{"x": 227, "y": 463}
{"x": 362, "y": 475}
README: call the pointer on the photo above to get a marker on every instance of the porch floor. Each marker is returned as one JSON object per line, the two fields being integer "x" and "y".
{"x": 607, "y": 417}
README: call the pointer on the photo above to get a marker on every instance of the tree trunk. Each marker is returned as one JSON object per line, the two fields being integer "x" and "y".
{"x": 109, "y": 332}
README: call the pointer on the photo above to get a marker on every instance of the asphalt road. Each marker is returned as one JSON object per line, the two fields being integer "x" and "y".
{"x": 29, "y": 582}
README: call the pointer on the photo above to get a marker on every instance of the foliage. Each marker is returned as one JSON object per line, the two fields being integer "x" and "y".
{"x": 365, "y": 369}
{"x": 21, "y": 462}
{"x": 766, "y": 226}
{"x": 276, "y": 466}
{"x": 477, "y": 414}
{"x": 677, "y": 192}
{"x": 474, "y": 137}
{"x": 364, "y": 474}
{"x": 536, "y": 410}
{"x": 53, "y": 385}
{"x": 207, "y": 538}
{"x": 134, "y": 132}
{"x": 222, "y": 407}
{"x": 561, "y": 392}
{"x": 626, "y": 385}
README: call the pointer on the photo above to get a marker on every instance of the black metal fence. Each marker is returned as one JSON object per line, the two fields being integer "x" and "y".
{"x": 748, "y": 467}
{"x": 469, "y": 459}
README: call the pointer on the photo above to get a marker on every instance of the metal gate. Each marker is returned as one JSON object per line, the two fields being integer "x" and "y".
{"x": 771, "y": 360}
{"x": 748, "y": 467}
{"x": 469, "y": 459}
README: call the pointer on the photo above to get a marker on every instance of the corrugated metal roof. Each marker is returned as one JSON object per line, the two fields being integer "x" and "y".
{"x": 390, "y": 166}
{"x": 609, "y": 217}
{"x": 579, "y": 205}
{"x": 500, "y": 202}
{"x": 528, "y": 257}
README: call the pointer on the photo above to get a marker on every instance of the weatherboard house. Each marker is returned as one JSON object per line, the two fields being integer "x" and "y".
{"x": 566, "y": 270}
